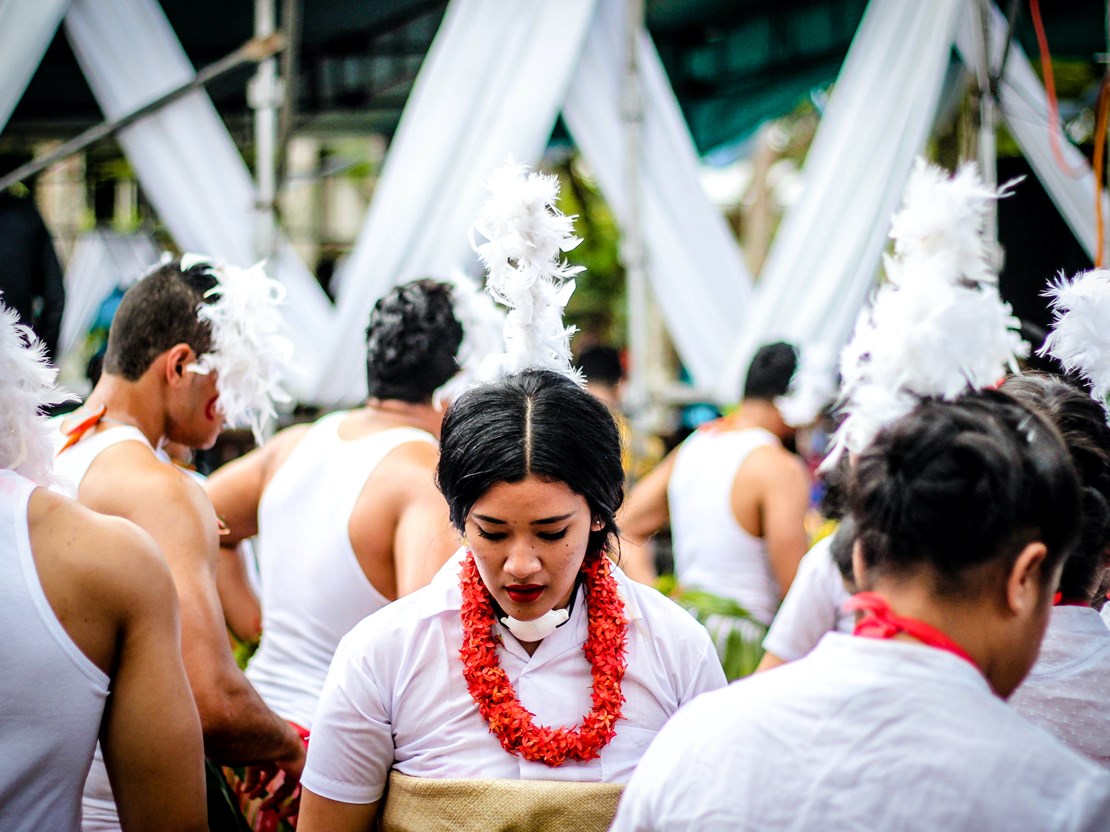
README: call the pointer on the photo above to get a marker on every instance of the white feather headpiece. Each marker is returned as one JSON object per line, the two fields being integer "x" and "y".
{"x": 527, "y": 236}
{"x": 249, "y": 351}
{"x": 938, "y": 326}
{"x": 1080, "y": 336}
{"x": 812, "y": 387}
{"x": 483, "y": 324}
{"x": 26, "y": 386}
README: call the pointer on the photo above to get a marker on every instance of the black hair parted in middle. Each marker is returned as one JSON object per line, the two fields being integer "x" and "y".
{"x": 955, "y": 485}
{"x": 533, "y": 422}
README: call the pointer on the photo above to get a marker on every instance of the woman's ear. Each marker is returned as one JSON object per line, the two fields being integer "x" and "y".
{"x": 1026, "y": 585}
{"x": 597, "y": 524}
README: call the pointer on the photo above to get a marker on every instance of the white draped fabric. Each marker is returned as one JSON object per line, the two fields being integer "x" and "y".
{"x": 490, "y": 86}
{"x": 1024, "y": 106}
{"x": 26, "y": 29}
{"x": 101, "y": 261}
{"x": 823, "y": 260}
{"x": 184, "y": 157}
{"x": 691, "y": 256}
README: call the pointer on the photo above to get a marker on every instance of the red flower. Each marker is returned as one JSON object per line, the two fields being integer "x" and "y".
{"x": 493, "y": 693}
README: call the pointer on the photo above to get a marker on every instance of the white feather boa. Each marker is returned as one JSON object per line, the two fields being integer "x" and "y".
{"x": 527, "y": 235}
{"x": 1080, "y": 336}
{"x": 938, "y": 326}
{"x": 26, "y": 386}
{"x": 249, "y": 351}
{"x": 483, "y": 324}
{"x": 812, "y": 387}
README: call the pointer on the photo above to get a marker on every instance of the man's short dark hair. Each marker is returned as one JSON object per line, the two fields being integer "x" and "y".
{"x": 770, "y": 371}
{"x": 601, "y": 364}
{"x": 157, "y": 312}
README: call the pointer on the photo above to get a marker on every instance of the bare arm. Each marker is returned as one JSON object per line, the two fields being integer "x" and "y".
{"x": 151, "y": 709}
{"x": 238, "y": 727}
{"x": 400, "y": 524}
{"x": 646, "y": 510}
{"x": 319, "y": 814}
{"x": 784, "y": 500}
{"x": 242, "y": 610}
{"x": 113, "y": 593}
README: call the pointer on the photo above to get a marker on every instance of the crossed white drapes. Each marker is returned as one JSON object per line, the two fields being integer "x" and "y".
{"x": 492, "y": 85}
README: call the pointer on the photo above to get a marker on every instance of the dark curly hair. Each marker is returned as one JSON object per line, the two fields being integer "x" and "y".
{"x": 954, "y": 485}
{"x": 1082, "y": 423}
{"x": 157, "y": 312}
{"x": 533, "y": 422}
{"x": 411, "y": 342}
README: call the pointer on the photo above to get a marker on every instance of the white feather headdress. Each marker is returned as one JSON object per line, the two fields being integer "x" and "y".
{"x": 937, "y": 327}
{"x": 1080, "y": 336}
{"x": 483, "y": 324}
{"x": 249, "y": 351}
{"x": 527, "y": 236}
{"x": 812, "y": 387}
{"x": 26, "y": 386}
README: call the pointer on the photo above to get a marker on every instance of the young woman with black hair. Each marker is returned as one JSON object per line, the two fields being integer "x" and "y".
{"x": 529, "y": 657}
{"x": 965, "y": 513}
{"x": 1068, "y": 689}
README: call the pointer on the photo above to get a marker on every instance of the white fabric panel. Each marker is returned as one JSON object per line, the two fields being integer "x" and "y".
{"x": 185, "y": 158}
{"x": 691, "y": 256}
{"x": 26, "y": 29}
{"x": 824, "y": 257}
{"x": 1024, "y": 106}
{"x": 490, "y": 86}
{"x": 101, "y": 261}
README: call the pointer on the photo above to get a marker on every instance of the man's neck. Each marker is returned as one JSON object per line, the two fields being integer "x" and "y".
{"x": 129, "y": 403}
{"x": 757, "y": 413}
{"x": 390, "y": 413}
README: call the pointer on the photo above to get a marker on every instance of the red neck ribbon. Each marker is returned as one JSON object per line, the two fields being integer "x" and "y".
{"x": 74, "y": 434}
{"x": 880, "y": 621}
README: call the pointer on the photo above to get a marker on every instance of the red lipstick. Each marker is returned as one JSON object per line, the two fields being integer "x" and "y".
{"x": 524, "y": 593}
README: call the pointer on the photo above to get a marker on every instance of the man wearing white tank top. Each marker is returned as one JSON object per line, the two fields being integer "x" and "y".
{"x": 346, "y": 512}
{"x": 735, "y": 498}
{"x": 87, "y": 610}
{"x": 158, "y": 384}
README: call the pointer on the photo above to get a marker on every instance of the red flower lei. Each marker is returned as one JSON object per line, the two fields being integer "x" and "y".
{"x": 508, "y": 719}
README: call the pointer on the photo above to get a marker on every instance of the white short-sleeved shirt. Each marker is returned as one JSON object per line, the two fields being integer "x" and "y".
{"x": 395, "y": 697}
{"x": 1068, "y": 691}
{"x": 813, "y": 606}
{"x": 862, "y": 734}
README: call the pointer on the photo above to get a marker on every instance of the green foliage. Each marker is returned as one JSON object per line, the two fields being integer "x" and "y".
{"x": 597, "y": 306}
{"x": 737, "y": 634}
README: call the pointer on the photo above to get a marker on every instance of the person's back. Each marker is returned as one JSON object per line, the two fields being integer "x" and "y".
{"x": 305, "y": 543}
{"x": 346, "y": 512}
{"x": 713, "y": 550}
{"x": 965, "y": 513}
{"x": 735, "y": 497}
{"x": 864, "y": 734}
{"x": 166, "y": 377}
{"x": 90, "y": 633}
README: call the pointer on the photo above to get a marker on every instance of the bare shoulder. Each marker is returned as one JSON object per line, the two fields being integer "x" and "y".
{"x": 98, "y": 556}
{"x": 412, "y": 463}
{"x": 774, "y": 465}
{"x": 274, "y": 453}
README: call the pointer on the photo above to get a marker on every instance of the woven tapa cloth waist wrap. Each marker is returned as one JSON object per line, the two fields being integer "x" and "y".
{"x": 422, "y": 804}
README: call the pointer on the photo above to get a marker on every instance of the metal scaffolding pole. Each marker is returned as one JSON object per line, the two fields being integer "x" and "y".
{"x": 264, "y": 96}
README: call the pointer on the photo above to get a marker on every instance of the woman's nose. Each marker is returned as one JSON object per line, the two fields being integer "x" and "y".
{"x": 522, "y": 561}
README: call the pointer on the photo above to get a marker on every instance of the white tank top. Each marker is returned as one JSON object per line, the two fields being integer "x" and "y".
{"x": 52, "y": 695}
{"x": 712, "y": 551}
{"x": 313, "y": 587}
{"x": 70, "y": 466}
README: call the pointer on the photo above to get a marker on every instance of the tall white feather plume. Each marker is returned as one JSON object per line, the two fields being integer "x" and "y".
{"x": 937, "y": 327}
{"x": 812, "y": 387}
{"x": 483, "y": 324}
{"x": 26, "y": 386}
{"x": 527, "y": 235}
{"x": 1080, "y": 335}
{"x": 249, "y": 351}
